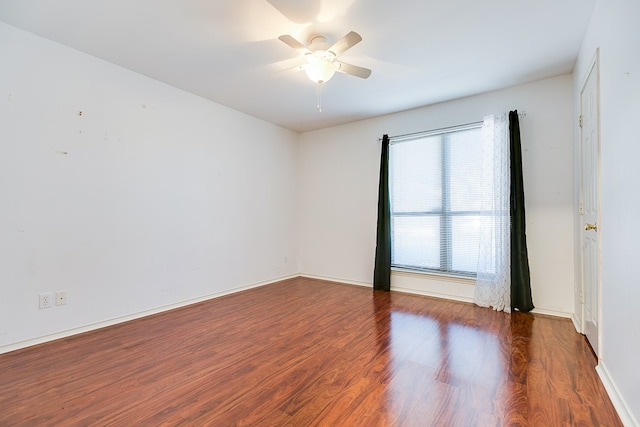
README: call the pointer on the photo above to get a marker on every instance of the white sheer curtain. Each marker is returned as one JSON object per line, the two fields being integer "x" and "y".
{"x": 493, "y": 282}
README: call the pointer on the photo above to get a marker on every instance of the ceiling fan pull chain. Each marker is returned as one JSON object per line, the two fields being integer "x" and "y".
{"x": 319, "y": 95}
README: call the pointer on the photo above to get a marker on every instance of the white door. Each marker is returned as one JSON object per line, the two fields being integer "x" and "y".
{"x": 590, "y": 149}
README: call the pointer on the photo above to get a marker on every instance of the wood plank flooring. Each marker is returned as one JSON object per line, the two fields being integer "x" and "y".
{"x": 305, "y": 352}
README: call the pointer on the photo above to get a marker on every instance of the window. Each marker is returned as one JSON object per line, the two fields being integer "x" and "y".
{"x": 435, "y": 200}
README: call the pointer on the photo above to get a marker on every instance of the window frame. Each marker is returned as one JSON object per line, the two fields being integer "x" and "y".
{"x": 444, "y": 213}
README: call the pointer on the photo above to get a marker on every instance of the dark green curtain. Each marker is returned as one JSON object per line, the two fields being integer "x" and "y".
{"x": 520, "y": 278}
{"x": 382, "y": 269}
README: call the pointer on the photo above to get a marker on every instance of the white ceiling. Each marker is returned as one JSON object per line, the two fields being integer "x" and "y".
{"x": 420, "y": 51}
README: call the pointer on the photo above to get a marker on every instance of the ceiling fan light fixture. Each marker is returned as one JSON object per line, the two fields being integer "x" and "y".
{"x": 320, "y": 66}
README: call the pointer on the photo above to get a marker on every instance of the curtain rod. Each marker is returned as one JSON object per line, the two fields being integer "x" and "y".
{"x": 521, "y": 114}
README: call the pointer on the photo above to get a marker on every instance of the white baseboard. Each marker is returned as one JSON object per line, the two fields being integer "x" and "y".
{"x": 110, "y": 322}
{"x": 552, "y": 313}
{"x": 405, "y": 289}
{"x": 406, "y": 282}
{"x": 576, "y": 323}
{"x": 337, "y": 280}
{"x": 624, "y": 412}
{"x": 450, "y": 288}
{"x": 393, "y": 288}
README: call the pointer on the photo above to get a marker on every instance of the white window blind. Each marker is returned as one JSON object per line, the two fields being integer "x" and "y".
{"x": 435, "y": 200}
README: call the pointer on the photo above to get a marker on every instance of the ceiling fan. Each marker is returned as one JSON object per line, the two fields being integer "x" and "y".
{"x": 321, "y": 63}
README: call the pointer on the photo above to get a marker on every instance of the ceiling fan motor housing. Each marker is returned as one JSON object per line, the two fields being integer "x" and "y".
{"x": 317, "y": 42}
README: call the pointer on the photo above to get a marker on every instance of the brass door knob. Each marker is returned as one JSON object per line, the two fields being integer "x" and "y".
{"x": 588, "y": 227}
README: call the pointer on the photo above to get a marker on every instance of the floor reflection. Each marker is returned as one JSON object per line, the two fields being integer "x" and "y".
{"x": 416, "y": 339}
{"x": 454, "y": 364}
{"x": 474, "y": 356}
{"x": 436, "y": 365}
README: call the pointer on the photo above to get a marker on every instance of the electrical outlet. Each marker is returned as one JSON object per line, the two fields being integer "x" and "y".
{"x": 45, "y": 300}
{"x": 61, "y": 298}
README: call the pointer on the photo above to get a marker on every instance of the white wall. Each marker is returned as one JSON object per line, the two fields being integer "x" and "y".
{"x": 339, "y": 184}
{"x": 152, "y": 197}
{"x": 614, "y": 29}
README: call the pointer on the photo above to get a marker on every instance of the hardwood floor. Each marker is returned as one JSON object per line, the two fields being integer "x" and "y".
{"x": 306, "y": 352}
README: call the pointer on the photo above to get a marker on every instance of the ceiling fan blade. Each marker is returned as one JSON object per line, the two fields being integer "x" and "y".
{"x": 353, "y": 70}
{"x": 345, "y": 43}
{"x": 293, "y": 43}
{"x": 285, "y": 67}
